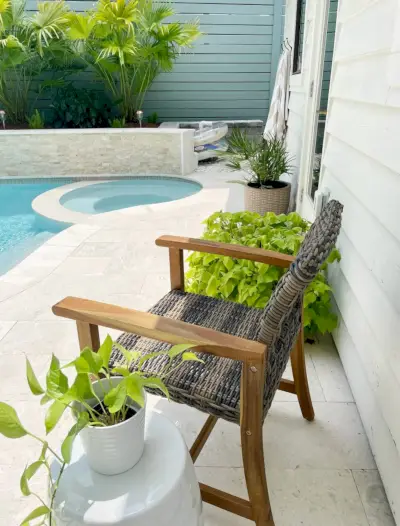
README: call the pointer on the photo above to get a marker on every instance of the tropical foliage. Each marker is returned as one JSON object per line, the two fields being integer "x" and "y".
{"x": 124, "y": 43}
{"x": 263, "y": 160}
{"x": 128, "y": 43}
{"x": 252, "y": 283}
{"x": 61, "y": 395}
{"x": 30, "y": 45}
{"x": 80, "y": 108}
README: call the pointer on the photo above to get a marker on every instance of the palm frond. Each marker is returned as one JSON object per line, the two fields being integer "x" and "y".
{"x": 49, "y": 22}
{"x": 80, "y": 26}
{"x": 117, "y": 12}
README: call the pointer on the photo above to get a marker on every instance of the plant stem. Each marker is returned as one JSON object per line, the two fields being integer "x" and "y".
{"x": 48, "y": 447}
{"x": 55, "y": 491}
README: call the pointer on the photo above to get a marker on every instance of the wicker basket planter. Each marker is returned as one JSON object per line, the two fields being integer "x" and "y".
{"x": 262, "y": 199}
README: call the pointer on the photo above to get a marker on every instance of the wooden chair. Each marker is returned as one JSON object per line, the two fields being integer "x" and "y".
{"x": 245, "y": 351}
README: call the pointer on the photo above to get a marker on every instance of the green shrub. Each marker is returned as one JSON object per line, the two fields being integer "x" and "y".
{"x": 36, "y": 121}
{"x": 152, "y": 118}
{"x": 252, "y": 283}
{"x": 118, "y": 123}
{"x": 73, "y": 108}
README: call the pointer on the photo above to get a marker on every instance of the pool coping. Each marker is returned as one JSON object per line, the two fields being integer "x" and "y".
{"x": 48, "y": 204}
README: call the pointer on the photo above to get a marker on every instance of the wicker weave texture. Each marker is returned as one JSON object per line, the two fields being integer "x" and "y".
{"x": 214, "y": 387}
{"x": 263, "y": 200}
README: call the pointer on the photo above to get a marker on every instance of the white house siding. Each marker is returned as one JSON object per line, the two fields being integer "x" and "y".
{"x": 361, "y": 167}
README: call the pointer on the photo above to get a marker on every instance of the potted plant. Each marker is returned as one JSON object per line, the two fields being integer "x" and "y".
{"x": 108, "y": 408}
{"x": 264, "y": 161}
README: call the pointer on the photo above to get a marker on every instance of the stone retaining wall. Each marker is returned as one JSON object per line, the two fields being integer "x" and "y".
{"x": 96, "y": 151}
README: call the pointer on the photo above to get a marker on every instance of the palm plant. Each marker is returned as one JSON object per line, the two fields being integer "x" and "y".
{"x": 29, "y": 46}
{"x": 128, "y": 42}
{"x": 264, "y": 160}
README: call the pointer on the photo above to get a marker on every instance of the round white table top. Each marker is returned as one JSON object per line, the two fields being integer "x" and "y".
{"x": 92, "y": 498}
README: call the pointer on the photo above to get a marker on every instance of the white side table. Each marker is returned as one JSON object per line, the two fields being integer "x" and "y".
{"x": 161, "y": 490}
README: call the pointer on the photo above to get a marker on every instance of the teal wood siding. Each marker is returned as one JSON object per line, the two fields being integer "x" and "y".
{"x": 229, "y": 73}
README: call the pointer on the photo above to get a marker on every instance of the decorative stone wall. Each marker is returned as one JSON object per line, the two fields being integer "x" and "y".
{"x": 96, "y": 151}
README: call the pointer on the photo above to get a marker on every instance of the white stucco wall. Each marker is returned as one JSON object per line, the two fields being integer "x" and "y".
{"x": 108, "y": 151}
{"x": 361, "y": 167}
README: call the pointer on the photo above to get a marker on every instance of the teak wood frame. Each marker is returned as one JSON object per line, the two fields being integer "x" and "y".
{"x": 89, "y": 315}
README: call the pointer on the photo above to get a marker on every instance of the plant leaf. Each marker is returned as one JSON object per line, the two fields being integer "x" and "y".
{"x": 121, "y": 371}
{"x": 10, "y": 425}
{"x": 38, "y": 512}
{"x": 134, "y": 384}
{"x": 88, "y": 362}
{"x": 105, "y": 351}
{"x": 66, "y": 446}
{"x": 115, "y": 399}
{"x": 45, "y": 399}
{"x": 33, "y": 382}
{"x": 80, "y": 391}
{"x": 53, "y": 415}
{"x": 153, "y": 382}
{"x": 191, "y": 356}
{"x": 56, "y": 381}
{"x": 28, "y": 473}
{"x": 176, "y": 350}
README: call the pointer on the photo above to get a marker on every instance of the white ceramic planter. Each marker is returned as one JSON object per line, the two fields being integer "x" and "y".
{"x": 115, "y": 449}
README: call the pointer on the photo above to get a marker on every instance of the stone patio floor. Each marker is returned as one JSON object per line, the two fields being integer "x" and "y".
{"x": 320, "y": 473}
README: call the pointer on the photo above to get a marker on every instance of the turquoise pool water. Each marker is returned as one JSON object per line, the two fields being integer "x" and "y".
{"x": 21, "y": 229}
{"x": 114, "y": 195}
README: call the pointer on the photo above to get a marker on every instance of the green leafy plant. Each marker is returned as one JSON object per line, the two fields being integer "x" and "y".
{"x": 36, "y": 121}
{"x": 30, "y": 45}
{"x": 80, "y": 108}
{"x": 264, "y": 160}
{"x": 152, "y": 118}
{"x": 127, "y": 43}
{"x": 62, "y": 394}
{"x": 252, "y": 283}
{"x": 118, "y": 123}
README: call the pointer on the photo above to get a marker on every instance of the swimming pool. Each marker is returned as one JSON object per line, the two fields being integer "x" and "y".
{"x": 21, "y": 229}
{"x": 114, "y": 195}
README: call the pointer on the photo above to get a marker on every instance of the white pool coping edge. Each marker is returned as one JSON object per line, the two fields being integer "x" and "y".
{"x": 48, "y": 204}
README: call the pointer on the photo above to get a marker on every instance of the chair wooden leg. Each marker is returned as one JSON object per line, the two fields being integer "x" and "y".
{"x": 300, "y": 378}
{"x": 202, "y": 437}
{"x": 251, "y": 421}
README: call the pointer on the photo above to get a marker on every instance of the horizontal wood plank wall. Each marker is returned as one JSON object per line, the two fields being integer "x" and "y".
{"x": 229, "y": 73}
{"x": 361, "y": 167}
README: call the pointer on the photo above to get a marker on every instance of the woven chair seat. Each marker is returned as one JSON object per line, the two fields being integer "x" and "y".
{"x": 212, "y": 387}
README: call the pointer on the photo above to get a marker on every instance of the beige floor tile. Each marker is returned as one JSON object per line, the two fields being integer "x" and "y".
{"x": 330, "y": 371}
{"x": 90, "y": 249}
{"x": 373, "y": 497}
{"x": 88, "y": 266}
{"x": 335, "y": 440}
{"x": 5, "y": 326}
{"x": 298, "y": 497}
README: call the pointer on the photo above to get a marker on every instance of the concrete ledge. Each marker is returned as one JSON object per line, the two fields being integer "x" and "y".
{"x": 98, "y": 151}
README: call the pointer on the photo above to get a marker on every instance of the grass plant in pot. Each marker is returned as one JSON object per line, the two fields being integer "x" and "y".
{"x": 108, "y": 406}
{"x": 264, "y": 161}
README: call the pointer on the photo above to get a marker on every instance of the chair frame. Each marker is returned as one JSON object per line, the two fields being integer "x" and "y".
{"x": 89, "y": 315}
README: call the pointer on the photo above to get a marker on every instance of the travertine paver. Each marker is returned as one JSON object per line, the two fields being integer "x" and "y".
{"x": 319, "y": 473}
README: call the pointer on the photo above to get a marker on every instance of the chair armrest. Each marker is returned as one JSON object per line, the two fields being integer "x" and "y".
{"x": 226, "y": 249}
{"x": 160, "y": 328}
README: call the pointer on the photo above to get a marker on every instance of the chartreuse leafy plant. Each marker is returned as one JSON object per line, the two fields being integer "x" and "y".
{"x": 61, "y": 394}
{"x": 252, "y": 283}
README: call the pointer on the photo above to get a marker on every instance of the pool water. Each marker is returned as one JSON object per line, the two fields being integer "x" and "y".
{"x": 21, "y": 229}
{"x": 114, "y": 195}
